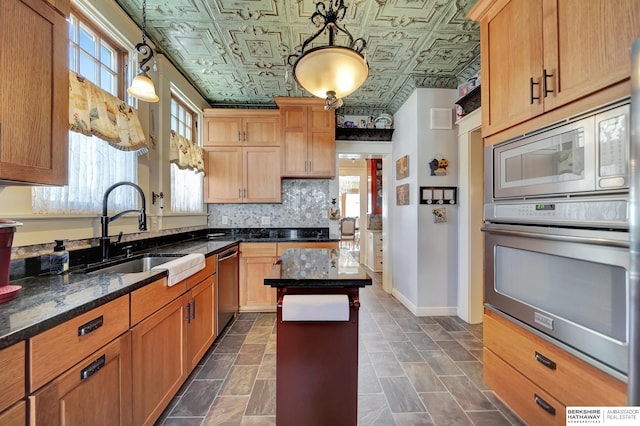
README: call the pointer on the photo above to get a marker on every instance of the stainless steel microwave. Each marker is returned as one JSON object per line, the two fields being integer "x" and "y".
{"x": 584, "y": 155}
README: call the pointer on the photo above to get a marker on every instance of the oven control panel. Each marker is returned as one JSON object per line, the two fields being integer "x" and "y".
{"x": 598, "y": 213}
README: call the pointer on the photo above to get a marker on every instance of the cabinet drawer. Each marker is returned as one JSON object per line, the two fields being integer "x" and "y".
{"x": 12, "y": 360}
{"x": 258, "y": 249}
{"x": 61, "y": 347}
{"x": 16, "y": 415}
{"x": 571, "y": 380}
{"x": 96, "y": 391}
{"x": 150, "y": 298}
{"x": 209, "y": 269}
{"x": 533, "y": 405}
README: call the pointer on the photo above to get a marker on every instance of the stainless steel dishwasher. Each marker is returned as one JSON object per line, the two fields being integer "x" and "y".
{"x": 226, "y": 288}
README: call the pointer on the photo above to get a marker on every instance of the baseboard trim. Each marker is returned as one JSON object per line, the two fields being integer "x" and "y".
{"x": 435, "y": 311}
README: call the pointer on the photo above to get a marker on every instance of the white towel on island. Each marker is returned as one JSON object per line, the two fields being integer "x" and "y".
{"x": 315, "y": 307}
{"x": 183, "y": 267}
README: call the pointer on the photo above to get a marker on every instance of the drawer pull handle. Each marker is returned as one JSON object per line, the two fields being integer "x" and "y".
{"x": 92, "y": 325}
{"x": 544, "y": 405}
{"x": 546, "y": 89}
{"x": 545, "y": 361}
{"x": 92, "y": 368}
{"x": 531, "y": 84}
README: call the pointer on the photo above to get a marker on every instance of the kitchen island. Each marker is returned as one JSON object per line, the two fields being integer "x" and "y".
{"x": 317, "y": 336}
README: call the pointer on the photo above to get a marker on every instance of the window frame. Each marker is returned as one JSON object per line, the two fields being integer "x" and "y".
{"x": 122, "y": 54}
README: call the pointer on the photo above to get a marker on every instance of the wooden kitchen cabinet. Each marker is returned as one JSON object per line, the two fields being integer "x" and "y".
{"x": 237, "y": 127}
{"x": 159, "y": 360}
{"x": 202, "y": 328}
{"x": 519, "y": 365}
{"x": 34, "y": 106}
{"x": 256, "y": 262}
{"x": 538, "y": 56}
{"x": 242, "y": 175}
{"x": 308, "y": 138}
{"x": 13, "y": 408}
{"x": 97, "y": 391}
{"x": 62, "y": 347}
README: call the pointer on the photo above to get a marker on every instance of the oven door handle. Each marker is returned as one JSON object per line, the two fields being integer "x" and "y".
{"x": 555, "y": 237}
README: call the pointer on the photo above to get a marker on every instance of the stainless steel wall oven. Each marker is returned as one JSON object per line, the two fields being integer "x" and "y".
{"x": 557, "y": 234}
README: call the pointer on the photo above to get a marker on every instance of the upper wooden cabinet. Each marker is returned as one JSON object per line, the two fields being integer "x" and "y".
{"x": 552, "y": 58}
{"x": 242, "y": 175}
{"x": 34, "y": 105}
{"x": 308, "y": 138}
{"x": 235, "y": 127}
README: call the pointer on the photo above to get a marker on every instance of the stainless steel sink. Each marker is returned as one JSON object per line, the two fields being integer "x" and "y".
{"x": 140, "y": 263}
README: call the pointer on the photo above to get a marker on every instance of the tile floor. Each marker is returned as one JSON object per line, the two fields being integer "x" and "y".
{"x": 412, "y": 371}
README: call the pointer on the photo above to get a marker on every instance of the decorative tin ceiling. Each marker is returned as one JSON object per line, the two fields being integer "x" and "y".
{"x": 234, "y": 52}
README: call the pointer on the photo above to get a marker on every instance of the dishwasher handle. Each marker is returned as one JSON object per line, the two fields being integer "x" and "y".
{"x": 228, "y": 255}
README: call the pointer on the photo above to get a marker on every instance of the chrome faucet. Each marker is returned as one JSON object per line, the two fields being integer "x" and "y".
{"x": 105, "y": 240}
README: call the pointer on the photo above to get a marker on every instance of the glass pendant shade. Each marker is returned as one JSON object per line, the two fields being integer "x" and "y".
{"x": 142, "y": 88}
{"x": 331, "y": 69}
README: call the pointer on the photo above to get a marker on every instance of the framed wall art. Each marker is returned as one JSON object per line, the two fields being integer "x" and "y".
{"x": 402, "y": 195}
{"x": 402, "y": 167}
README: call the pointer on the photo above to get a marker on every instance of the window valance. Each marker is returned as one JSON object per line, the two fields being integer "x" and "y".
{"x": 186, "y": 154}
{"x": 95, "y": 112}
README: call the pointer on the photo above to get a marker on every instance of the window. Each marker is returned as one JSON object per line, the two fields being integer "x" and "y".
{"x": 93, "y": 164}
{"x": 186, "y": 184}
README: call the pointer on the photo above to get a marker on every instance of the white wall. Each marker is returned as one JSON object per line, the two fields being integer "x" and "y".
{"x": 424, "y": 253}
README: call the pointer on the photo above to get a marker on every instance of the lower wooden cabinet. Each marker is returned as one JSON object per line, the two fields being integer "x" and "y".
{"x": 97, "y": 391}
{"x": 537, "y": 379}
{"x": 201, "y": 330}
{"x": 159, "y": 360}
{"x": 16, "y": 415}
{"x": 374, "y": 250}
{"x": 12, "y": 377}
{"x": 256, "y": 261}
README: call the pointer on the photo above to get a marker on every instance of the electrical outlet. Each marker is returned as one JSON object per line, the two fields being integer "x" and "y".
{"x": 265, "y": 221}
{"x": 225, "y": 220}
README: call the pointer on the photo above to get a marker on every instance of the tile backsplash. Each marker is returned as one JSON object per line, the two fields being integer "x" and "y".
{"x": 305, "y": 203}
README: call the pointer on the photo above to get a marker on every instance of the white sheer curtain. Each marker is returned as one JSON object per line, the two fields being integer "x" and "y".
{"x": 94, "y": 165}
{"x": 186, "y": 190}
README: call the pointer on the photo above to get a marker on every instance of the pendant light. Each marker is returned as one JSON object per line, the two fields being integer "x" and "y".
{"x": 142, "y": 86}
{"x": 331, "y": 71}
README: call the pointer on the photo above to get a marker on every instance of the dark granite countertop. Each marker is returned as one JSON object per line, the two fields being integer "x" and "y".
{"x": 48, "y": 300}
{"x": 318, "y": 268}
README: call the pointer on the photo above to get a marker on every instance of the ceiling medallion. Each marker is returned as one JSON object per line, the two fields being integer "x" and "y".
{"x": 142, "y": 86}
{"x": 331, "y": 71}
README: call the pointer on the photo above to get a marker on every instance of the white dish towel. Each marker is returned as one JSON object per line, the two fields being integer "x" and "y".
{"x": 183, "y": 267}
{"x": 315, "y": 307}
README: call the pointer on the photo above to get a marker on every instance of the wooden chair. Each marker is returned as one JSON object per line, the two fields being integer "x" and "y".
{"x": 348, "y": 231}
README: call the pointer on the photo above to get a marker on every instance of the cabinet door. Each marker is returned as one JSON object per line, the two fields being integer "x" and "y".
{"x": 511, "y": 54}
{"x": 586, "y": 46}
{"x": 158, "y": 361}
{"x": 12, "y": 375}
{"x": 262, "y": 131}
{"x": 202, "y": 322}
{"x": 262, "y": 180}
{"x": 16, "y": 415}
{"x": 34, "y": 107}
{"x": 97, "y": 391}
{"x": 294, "y": 141}
{"x": 223, "y": 182}
{"x": 321, "y": 149}
{"x": 222, "y": 131}
{"x": 256, "y": 294}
